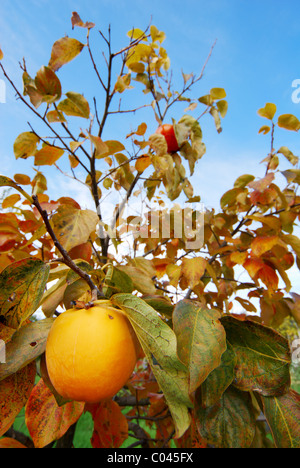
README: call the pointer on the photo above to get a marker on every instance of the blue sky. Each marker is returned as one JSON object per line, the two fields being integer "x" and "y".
{"x": 256, "y": 59}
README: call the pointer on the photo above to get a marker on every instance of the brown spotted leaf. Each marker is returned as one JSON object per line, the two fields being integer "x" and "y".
{"x": 14, "y": 392}
{"x": 201, "y": 340}
{"x": 22, "y": 285}
{"x": 45, "y": 420}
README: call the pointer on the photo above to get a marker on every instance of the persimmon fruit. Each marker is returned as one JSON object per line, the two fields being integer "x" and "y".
{"x": 167, "y": 130}
{"x": 91, "y": 353}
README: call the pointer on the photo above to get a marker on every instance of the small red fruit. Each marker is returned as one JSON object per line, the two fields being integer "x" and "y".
{"x": 168, "y": 132}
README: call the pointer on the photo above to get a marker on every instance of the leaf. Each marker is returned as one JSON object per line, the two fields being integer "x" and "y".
{"x": 116, "y": 281}
{"x": 73, "y": 226}
{"x": 7, "y": 182}
{"x": 22, "y": 285}
{"x": 268, "y": 111}
{"x": 159, "y": 345}
{"x": 217, "y": 93}
{"x": 193, "y": 269}
{"x": 215, "y": 114}
{"x": 77, "y": 21}
{"x": 262, "y": 244}
{"x": 26, "y": 345}
{"x": 48, "y": 85}
{"x": 10, "y": 201}
{"x": 45, "y": 420}
{"x": 219, "y": 379}
{"x": 264, "y": 129}
{"x": 75, "y": 105}
{"x": 55, "y": 116}
{"x": 201, "y": 340}
{"x": 289, "y": 122}
{"x": 243, "y": 180}
{"x": 230, "y": 423}
{"x": 141, "y": 282}
{"x": 142, "y": 163}
{"x": 9, "y": 442}
{"x": 63, "y": 51}
{"x": 25, "y": 145}
{"x": 289, "y": 155}
{"x": 283, "y": 416}
{"x": 14, "y": 392}
{"x": 292, "y": 176}
{"x": 110, "y": 426}
{"x": 222, "y": 107}
{"x": 22, "y": 179}
{"x": 48, "y": 155}
{"x": 101, "y": 149}
{"x": 263, "y": 357}
{"x": 1, "y": 54}
{"x": 293, "y": 241}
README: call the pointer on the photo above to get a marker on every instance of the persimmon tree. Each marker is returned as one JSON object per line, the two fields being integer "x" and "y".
{"x": 207, "y": 376}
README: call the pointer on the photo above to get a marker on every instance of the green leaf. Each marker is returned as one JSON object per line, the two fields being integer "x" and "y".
{"x": 25, "y": 145}
{"x": 116, "y": 281}
{"x": 26, "y": 344}
{"x": 268, "y": 111}
{"x": 201, "y": 340}
{"x": 283, "y": 416}
{"x": 73, "y": 226}
{"x": 159, "y": 344}
{"x": 75, "y": 105}
{"x": 219, "y": 379}
{"x": 289, "y": 122}
{"x": 63, "y": 51}
{"x": 22, "y": 286}
{"x": 230, "y": 423}
{"x": 263, "y": 357}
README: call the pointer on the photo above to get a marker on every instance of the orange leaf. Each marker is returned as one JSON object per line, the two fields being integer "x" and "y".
{"x": 110, "y": 426}
{"x": 269, "y": 277}
{"x": 253, "y": 265}
{"x": 45, "y": 420}
{"x": 63, "y": 51}
{"x": 260, "y": 245}
{"x": 14, "y": 392}
{"x": 8, "y": 442}
{"x": 142, "y": 163}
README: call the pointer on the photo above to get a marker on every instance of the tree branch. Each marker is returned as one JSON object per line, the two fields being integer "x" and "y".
{"x": 65, "y": 256}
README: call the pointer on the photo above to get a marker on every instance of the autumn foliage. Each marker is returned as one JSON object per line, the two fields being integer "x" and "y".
{"x": 205, "y": 375}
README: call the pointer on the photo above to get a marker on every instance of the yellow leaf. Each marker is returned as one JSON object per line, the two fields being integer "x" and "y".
{"x": 11, "y": 200}
{"x": 289, "y": 122}
{"x": 1, "y": 54}
{"x": 63, "y": 51}
{"x": 101, "y": 149}
{"x": 48, "y": 155}
{"x": 193, "y": 269}
{"x": 268, "y": 111}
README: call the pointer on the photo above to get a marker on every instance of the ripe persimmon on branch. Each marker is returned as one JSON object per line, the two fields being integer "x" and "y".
{"x": 206, "y": 291}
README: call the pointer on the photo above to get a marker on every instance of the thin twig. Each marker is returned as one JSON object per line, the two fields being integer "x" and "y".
{"x": 67, "y": 260}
